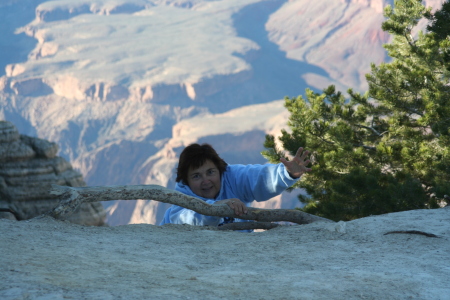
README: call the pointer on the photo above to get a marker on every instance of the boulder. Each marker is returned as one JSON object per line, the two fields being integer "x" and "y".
{"x": 28, "y": 168}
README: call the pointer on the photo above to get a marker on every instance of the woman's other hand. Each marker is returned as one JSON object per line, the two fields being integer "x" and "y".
{"x": 237, "y": 205}
{"x": 297, "y": 166}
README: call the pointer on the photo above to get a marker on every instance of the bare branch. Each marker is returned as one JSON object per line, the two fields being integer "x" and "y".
{"x": 72, "y": 197}
{"x": 410, "y": 39}
{"x": 370, "y": 128}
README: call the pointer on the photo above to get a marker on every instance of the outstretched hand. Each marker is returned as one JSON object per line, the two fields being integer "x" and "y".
{"x": 297, "y": 166}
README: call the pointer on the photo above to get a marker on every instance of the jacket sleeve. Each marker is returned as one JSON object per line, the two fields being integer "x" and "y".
{"x": 260, "y": 182}
{"x": 181, "y": 215}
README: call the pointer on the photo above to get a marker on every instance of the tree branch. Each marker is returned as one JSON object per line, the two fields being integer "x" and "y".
{"x": 72, "y": 197}
{"x": 370, "y": 128}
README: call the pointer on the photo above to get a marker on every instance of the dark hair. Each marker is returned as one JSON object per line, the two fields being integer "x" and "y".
{"x": 194, "y": 156}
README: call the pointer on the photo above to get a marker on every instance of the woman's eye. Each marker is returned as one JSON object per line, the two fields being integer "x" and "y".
{"x": 196, "y": 176}
{"x": 211, "y": 172}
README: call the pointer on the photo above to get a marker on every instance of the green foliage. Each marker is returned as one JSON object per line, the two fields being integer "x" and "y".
{"x": 389, "y": 149}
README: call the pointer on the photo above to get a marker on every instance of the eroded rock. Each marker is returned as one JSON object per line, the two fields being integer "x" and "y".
{"x": 28, "y": 168}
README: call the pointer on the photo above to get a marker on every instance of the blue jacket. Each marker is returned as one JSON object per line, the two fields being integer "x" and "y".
{"x": 244, "y": 182}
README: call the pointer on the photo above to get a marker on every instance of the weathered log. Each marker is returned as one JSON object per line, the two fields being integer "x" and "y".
{"x": 72, "y": 197}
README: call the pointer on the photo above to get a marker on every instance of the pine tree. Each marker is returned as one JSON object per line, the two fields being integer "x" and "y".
{"x": 388, "y": 149}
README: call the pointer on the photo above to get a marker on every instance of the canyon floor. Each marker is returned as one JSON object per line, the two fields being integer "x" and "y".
{"x": 44, "y": 258}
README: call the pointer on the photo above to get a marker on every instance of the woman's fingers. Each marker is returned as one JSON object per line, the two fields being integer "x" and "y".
{"x": 238, "y": 206}
{"x": 299, "y": 152}
{"x": 301, "y": 156}
{"x": 298, "y": 165}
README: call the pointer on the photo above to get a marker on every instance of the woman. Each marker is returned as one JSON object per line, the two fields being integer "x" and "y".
{"x": 203, "y": 174}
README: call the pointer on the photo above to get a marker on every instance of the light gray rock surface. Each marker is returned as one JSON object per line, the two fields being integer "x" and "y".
{"x": 356, "y": 260}
{"x": 28, "y": 168}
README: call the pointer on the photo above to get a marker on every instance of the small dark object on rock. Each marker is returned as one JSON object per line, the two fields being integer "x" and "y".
{"x": 413, "y": 232}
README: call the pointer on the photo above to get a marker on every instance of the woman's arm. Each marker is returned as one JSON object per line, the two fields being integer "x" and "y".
{"x": 262, "y": 182}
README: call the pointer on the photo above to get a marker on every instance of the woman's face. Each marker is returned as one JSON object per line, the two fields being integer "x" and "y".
{"x": 205, "y": 181}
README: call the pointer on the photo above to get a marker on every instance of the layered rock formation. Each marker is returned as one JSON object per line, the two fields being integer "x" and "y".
{"x": 28, "y": 167}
